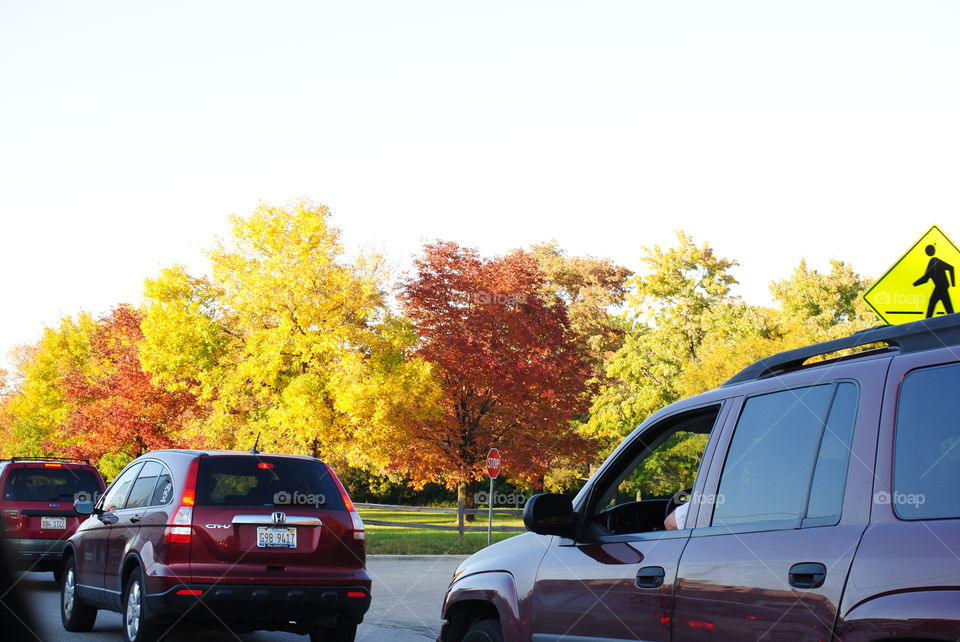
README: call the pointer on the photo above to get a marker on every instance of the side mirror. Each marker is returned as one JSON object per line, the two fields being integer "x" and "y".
{"x": 550, "y": 514}
{"x": 83, "y": 508}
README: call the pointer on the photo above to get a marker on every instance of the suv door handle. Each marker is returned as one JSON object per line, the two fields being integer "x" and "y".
{"x": 807, "y": 575}
{"x": 650, "y": 576}
{"x": 135, "y": 518}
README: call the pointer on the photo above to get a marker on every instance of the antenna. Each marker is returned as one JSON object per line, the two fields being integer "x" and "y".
{"x": 254, "y": 451}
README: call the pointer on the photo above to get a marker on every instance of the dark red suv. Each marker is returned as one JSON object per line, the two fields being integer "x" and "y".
{"x": 245, "y": 539}
{"x": 814, "y": 501}
{"x": 37, "y": 495}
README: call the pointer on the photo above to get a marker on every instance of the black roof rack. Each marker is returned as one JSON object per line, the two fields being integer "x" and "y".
{"x": 915, "y": 336}
{"x": 82, "y": 461}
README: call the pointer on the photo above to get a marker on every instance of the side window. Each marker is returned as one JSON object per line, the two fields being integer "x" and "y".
{"x": 830, "y": 475}
{"x": 164, "y": 491}
{"x": 119, "y": 489}
{"x": 787, "y": 460}
{"x": 664, "y": 461}
{"x": 143, "y": 488}
{"x": 926, "y": 465}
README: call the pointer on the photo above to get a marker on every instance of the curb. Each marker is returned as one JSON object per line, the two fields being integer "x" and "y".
{"x": 414, "y": 558}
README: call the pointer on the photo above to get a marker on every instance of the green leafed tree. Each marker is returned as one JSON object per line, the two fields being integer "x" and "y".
{"x": 667, "y": 323}
{"x": 823, "y": 305}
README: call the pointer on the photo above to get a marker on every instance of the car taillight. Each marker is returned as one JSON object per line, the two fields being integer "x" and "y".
{"x": 14, "y": 520}
{"x": 180, "y": 529}
{"x": 358, "y": 530}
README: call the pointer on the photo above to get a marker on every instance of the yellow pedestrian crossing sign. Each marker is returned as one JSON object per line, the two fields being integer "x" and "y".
{"x": 921, "y": 284}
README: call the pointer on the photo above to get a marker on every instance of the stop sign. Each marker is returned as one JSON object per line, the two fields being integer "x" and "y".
{"x": 493, "y": 463}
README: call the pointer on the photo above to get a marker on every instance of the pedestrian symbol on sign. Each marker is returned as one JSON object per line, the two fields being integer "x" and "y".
{"x": 937, "y": 271}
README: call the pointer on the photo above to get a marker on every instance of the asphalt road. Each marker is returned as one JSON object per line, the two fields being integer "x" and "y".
{"x": 407, "y": 593}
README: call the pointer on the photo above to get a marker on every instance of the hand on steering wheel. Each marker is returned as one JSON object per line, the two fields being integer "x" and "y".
{"x": 679, "y": 497}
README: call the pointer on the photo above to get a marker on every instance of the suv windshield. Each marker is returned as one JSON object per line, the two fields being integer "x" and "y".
{"x": 265, "y": 481}
{"x": 50, "y": 484}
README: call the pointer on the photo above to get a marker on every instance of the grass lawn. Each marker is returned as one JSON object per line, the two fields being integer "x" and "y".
{"x": 398, "y": 540}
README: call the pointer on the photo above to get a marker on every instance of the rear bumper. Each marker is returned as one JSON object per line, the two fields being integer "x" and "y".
{"x": 39, "y": 554}
{"x": 262, "y": 603}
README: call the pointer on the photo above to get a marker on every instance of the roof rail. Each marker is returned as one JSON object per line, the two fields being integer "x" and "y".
{"x": 77, "y": 459}
{"x": 915, "y": 336}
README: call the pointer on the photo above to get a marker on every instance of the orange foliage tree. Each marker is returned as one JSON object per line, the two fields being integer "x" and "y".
{"x": 512, "y": 372}
{"x": 118, "y": 411}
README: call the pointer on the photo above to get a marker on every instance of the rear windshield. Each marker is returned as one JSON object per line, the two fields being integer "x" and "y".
{"x": 51, "y": 485}
{"x": 266, "y": 481}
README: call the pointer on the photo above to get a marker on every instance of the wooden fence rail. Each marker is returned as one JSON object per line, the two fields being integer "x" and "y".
{"x": 460, "y": 511}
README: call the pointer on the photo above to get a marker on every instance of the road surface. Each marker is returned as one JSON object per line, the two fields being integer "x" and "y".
{"x": 407, "y": 593}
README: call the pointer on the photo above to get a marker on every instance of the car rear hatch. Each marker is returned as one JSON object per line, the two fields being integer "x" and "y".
{"x": 38, "y": 499}
{"x": 272, "y": 520}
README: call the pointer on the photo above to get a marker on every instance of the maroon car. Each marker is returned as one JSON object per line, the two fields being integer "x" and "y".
{"x": 246, "y": 539}
{"x": 36, "y": 507}
{"x": 824, "y": 504}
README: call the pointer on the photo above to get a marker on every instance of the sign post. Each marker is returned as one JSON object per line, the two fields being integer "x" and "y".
{"x": 920, "y": 284}
{"x": 493, "y": 469}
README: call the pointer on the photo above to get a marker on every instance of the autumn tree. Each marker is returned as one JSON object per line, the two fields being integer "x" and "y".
{"x": 590, "y": 288}
{"x": 117, "y": 412}
{"x": 668, "y": 315}
{"x": 512, "y": 372}
{"x": 287, "y": 339}
{"x": 824, "y": 305}
{"x": 37, "y": 407}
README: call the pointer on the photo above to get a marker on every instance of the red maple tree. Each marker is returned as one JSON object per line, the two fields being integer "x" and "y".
{"x": 512, "y": 372}
{"x": 117, "y": 409}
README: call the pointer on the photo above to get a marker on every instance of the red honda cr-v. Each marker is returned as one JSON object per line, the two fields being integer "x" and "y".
{"x": 245, "y": 539}
{"x": 36, "y": 502}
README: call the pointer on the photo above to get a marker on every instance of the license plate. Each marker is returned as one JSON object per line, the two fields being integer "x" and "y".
{"x": 53, "y": 522}
{"x": 268, "y": 537}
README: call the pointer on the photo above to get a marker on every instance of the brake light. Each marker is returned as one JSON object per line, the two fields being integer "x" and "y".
{"x": 265, "y": 465}
{"x": 358, "y": 530}
{"x": 17, "y": 520}
{"x": 181, "y": 529}
{"x": 53, "y": 465}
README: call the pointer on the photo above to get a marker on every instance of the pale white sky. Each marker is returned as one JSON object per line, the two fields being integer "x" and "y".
{"x": 774, "y": 130}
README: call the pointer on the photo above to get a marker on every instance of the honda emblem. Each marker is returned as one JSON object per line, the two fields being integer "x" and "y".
{"x": 279, "y": 517}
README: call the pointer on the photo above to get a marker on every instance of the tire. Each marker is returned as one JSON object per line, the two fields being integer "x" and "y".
{"x": 345, "y": 633}
{"x": 77, "y": 616}
{"x": 484, "y": 631}
{"x": 136, "y": 623}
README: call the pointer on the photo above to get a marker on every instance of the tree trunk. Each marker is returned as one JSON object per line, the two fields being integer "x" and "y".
{"x": 464, "y": 495}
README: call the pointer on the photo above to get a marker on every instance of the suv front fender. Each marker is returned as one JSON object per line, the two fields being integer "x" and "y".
{"x": 475, "y": 597}
{"x": 929, "y": 615}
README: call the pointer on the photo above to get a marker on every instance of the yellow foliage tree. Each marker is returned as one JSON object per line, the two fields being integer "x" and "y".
{"x": 37, "y": 409}
{"x": 288, "y": 339}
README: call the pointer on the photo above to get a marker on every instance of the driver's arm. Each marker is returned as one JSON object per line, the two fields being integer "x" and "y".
{"x": 677, "y": 519}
